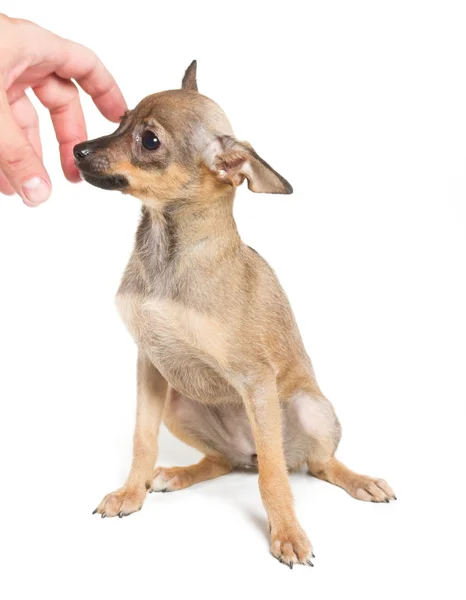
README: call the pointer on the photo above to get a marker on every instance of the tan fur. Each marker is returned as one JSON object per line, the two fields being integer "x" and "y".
{"x": 178, "y": 478}
{"x": 220, "y": 352}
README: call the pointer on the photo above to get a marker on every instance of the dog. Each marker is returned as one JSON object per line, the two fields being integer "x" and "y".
{"x": 220, "y": 357}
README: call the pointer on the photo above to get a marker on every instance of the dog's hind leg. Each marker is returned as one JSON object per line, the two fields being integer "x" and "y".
{"x": 187, "y": 421}
{"x": 362, "y": 487}
{"x": 317, "y": 417}
{"x": 169, "y": 479}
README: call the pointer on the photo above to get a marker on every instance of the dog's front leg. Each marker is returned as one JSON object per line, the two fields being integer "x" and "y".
{"x": 289, "y": 543}
{"x": 152, "y": 389}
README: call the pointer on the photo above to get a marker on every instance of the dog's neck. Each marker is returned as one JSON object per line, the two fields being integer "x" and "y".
{"x": 185, "y": 233}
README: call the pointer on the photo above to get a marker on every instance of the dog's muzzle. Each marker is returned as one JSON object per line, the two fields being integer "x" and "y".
{"x": 93, "y": 165}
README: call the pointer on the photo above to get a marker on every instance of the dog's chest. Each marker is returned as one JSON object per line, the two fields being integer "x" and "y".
{"x": 187, "y": 346}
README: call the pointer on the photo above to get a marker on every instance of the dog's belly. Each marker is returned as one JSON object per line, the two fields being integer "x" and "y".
{"x": 226, "y": 429}
{"x": 223, "y": 428}
{"x": 181, "y": 343}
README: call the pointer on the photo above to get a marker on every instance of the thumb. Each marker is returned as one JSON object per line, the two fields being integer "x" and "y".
{"x": 19, "y": 162}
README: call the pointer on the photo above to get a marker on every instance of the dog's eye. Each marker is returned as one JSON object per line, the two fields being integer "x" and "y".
{"x": 149, "y": 140}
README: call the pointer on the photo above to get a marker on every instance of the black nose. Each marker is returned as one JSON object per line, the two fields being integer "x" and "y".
{"x": 82, "y": 150}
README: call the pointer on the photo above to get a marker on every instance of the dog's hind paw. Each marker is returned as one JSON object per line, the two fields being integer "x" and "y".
{"x": 171, "y": 479}
{"x": 370, "y": 489}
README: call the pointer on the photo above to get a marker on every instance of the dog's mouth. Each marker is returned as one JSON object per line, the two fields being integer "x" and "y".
{"x": 106, "y": 182}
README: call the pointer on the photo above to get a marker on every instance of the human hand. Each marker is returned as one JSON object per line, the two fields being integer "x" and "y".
{"x": 32, "y": 57}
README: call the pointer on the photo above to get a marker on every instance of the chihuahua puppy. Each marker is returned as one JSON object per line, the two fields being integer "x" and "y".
{"x": 220, "y": 357}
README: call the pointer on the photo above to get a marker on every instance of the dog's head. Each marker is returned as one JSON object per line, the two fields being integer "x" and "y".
{"x": 175, "y": 145}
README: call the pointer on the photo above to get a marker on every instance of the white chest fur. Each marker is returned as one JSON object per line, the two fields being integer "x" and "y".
{"x": 170, "y": 324}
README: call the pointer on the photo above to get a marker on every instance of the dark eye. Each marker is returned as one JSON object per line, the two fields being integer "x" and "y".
{"x": 149, "y": 140}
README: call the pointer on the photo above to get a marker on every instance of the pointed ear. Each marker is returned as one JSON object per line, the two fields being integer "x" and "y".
{"x": 189, "y": 80}
{"x": 233, "y": 162}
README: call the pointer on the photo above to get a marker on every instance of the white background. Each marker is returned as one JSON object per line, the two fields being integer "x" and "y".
{"x": 362, "y": 106}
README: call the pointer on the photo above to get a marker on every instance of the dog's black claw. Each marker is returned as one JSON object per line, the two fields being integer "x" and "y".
{"x": 121, "y": 514}
{"x": 313, "y": 555}
{"x": 94, "y": 511}
{"x": 147, "y": 485}
{"x": 290, "y": 564}
{"x": 394, "y": 497}
{"x": 103, "y": 515}
{"x": 310, "y": 563}
{"x": 164, "y": 490}
{"x": 387, "y": 500}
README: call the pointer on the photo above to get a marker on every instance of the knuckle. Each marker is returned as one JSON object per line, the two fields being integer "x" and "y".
{"x": 15, "y": 158}
{"x": 24, "y": 23}
{"x": 76, "y": 47}
{"x": 72, "y": 94}
{"x": 6, "y": 20}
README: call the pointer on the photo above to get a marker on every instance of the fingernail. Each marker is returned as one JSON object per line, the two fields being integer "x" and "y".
{"x": 36, "y": 190}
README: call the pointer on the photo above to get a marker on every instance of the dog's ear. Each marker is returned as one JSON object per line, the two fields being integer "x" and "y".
{"x": 189, "y": 80}
{"x": 233, "y": 162}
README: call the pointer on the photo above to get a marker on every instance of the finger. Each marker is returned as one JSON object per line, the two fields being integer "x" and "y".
{"x": 25, "y": 115}
{"x": 5, "y": 187}
{"x": 70, "y": 60}
{"x": 19, "y": 162}
{"x": 61, "y": 97}
{"x": 83, "y": 65}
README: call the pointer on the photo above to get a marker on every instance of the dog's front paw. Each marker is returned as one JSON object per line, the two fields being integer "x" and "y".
{"x": 290, "y": 545}
{"x": 370, "y": 489}
{"x": 122, "y": 502}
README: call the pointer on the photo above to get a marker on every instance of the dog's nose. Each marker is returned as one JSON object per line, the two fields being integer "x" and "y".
{"x": 82, "y": 150}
